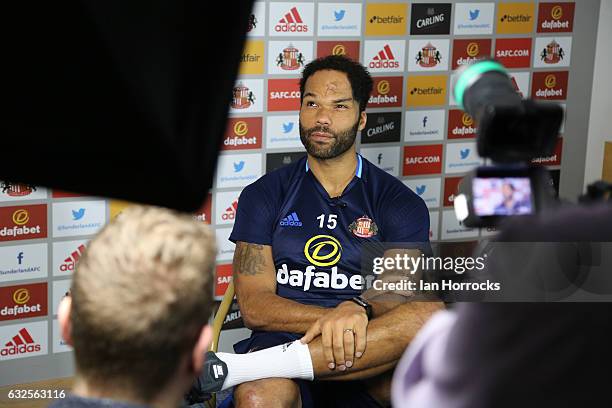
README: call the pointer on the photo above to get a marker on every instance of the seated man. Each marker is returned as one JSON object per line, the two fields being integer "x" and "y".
{"x": 138, "y": 309}
{"x": 299, "y": 233}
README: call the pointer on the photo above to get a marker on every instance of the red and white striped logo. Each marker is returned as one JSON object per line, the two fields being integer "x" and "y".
{"x": 22, "y": 343}
{"x": 291, "y": 23}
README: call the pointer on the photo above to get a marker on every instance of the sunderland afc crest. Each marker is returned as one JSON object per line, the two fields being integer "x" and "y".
{"x": 363, "y": 227}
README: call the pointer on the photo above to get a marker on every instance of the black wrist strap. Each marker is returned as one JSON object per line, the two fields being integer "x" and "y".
{"x": 363, "y": 303}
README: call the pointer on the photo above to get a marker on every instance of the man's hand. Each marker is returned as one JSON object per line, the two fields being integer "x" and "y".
{"x": 343, "y": 333}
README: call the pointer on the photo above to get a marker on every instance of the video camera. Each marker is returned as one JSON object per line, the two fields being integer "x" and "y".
{"x": 511, "y": 132}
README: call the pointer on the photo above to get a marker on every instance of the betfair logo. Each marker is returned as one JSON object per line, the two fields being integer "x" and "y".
{"x": 472, "y": 49}
{"x": 550, "y": 81}
{"x": 339, "y": 50}
{"x": 21, "y": 296}
{"x": 21, "y": 217}
{"x": 241, "y": 128}
{"x": 323, "y": 250}
{"x": 556, "y": 13}
{"x": 383, "y": 87}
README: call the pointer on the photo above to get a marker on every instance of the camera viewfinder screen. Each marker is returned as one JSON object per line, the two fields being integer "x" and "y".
{"x": 502, "y": 196}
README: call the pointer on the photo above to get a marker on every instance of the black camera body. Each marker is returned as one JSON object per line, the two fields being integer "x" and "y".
{"x": 511, "y": 132}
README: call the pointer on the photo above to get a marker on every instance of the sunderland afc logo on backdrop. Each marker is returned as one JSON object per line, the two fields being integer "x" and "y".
{"x": 10, "y": 191}
{"x": 382, "y": 128}
{"x": 252, "y": 58}
{"x": 23, "y": 301}
{"x": 247, "y": 96}
{"x": 430, "y": 18}
{"x": 290, "y": 19}
{"x": 23, "y": 262}
{"x": 515, "y": 18}
{"x": 242, "y": 133}
{"x": 386, "y": 19}
{"x": 549, "y": 85}
{"x": 428, "y": 55}
{"x": 427, "y": 90}
{"x": 288, "y": 57}
{"x": 474, "y": 18}
{"x": 387, "y": 92}
{"x": 23, "y": 222}
{"x": 460, "y": 125}
{"x": 339, "y": 20}
{"x": 283, "y": 95}
{"x": 513, "y": 52}
{"x": 424, "y": 159}
{"x": 256, "y": 22}
{"x": 556, "y": 17}
{"x": 466, "y": 52}
{"x": 552, "y": 52}
{"x": 385, "y": 56}
{"x": 349, "y": 49}
{"x": 424, "y": 125}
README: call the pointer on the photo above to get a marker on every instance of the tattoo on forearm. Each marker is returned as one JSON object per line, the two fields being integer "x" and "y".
{"x": 249, "y": 259}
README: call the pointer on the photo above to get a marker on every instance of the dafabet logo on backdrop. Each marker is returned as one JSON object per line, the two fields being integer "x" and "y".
{"x": 387, "y": 92}
{"x": 556, "y": 17}
{"x": 347, "y": 48}
{"x": 427, "y": 90}
{"x": 252, "y": 58}
{"x": 386, "y": 19}
{"x": 242, "y": 133}
{"x": 515, "y": 18}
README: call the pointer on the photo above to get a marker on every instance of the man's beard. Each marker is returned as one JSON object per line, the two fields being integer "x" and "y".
{"x": 340, "y": 142}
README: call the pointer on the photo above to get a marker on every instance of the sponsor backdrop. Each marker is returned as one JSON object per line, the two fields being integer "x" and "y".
{"x": 414, "y": 131}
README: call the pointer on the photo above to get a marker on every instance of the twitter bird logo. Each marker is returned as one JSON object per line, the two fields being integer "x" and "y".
{"x": 287, "y": 127}
{"x": 339, "y": 15}
{"x": 77, "y": 215}
{"x": 474, "y": 14}
{"x": 420, "y": 189}
{"x": 238, "y": 166}
{"x": 464, "y": 153}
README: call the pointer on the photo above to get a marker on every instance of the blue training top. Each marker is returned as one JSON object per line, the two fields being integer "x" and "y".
{"x": 316, "y": 240}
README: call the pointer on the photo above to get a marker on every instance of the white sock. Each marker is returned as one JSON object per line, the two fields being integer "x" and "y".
{"x": 289, "y": 360}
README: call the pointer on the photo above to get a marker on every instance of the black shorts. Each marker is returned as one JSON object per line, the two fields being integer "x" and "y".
{"x": 319, "y": 394}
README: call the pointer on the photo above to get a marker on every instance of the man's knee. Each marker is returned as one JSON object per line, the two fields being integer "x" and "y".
{"x": 271, "y": 392}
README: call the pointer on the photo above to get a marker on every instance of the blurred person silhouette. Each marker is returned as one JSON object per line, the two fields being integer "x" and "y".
{"x": 138, "y": 308}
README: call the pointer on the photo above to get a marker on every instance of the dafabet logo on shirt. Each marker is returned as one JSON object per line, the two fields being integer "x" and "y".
{"x": 427, "y": 90}
{"x": 386, "y": 19}
{"x": 515, "y": 18}
{"x": 252, "y": 58}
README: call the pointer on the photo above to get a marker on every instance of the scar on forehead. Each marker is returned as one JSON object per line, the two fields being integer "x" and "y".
{"x": 332, "y": 87}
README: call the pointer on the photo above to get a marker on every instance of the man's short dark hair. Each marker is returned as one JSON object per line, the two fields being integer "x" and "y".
{"x": 358, "y": 76}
